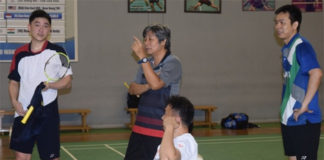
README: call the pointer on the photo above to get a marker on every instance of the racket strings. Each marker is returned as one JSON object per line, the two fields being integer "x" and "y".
{"x": 64, "y": 61}
{"x": 56, "y": 66}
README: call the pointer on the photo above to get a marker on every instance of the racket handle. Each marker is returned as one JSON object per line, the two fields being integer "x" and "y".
{"x": 30, "y": 110}
{"x": 126, "y": 85}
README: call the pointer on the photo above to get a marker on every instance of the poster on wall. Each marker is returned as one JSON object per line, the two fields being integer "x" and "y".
{"x": 203, "y": 6}
{"x": 309, "y": 5}
{"x": 146, "y": 6}
{"x": 258, "y": 5}
{"x": 14, "y": 15}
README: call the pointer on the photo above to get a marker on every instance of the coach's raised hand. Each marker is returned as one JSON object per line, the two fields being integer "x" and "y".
{"x": 138, "y": 48}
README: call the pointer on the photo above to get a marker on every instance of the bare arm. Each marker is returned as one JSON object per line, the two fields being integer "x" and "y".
{"x": 167, "y": 149}
{"x": 315, "y": 76}
{"x": 138, "y": 89}
{"x": 152, "y": 78}
{"x": 64, "y": 83}
{"x": 13, "y": 93}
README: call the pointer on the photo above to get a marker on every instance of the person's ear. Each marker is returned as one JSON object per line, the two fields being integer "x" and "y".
{"x": 163, "y": 42}
{"x": 295, "y": 25}
{"x": 29, "y": 27}
{"x": 178, "y": 119}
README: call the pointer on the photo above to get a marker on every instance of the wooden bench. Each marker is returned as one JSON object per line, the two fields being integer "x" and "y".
{"x": 2, "y": 114}
{"x": 82, "y": 112}
{"x": 205, "y": 108}
{"x": 132, "y": 112}
{"x": 208, "y": 116}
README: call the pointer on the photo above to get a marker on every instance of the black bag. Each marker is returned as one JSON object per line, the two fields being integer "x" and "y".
{"x": 237, "y": 121}
{"x": 132, "y": 101}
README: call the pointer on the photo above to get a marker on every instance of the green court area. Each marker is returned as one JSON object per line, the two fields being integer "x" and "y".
{"x": 247, "y": 147}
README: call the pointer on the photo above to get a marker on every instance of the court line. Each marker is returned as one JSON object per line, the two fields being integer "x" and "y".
{"x": 89, "y": 145}
{"x": 89, "y": 148}
{"x": 231, "y": 139}
{"x": 233, "y": 142}
{"x": 70, "y": 154}
{"x": 109, "y": 147}
{"x": 251, "y": 138}
{"x": 255, "y": 141}
{"x": 97, "y": 147}
{"x": 83, "y": 145}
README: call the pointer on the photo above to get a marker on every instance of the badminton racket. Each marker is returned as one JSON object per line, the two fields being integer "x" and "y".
{"x": 55, "y": 69}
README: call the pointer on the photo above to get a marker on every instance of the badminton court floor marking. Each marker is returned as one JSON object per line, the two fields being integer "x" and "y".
{"x": 67, "y": 152}
{"x": 114, "y": 146}
{"x": 111, "y": 148}
{"x": 68, "y": 148}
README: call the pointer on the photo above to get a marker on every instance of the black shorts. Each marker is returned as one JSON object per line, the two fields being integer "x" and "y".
{"x": 207, "y": 2}
{"x": 48, "y": 138}
{"x": 142, "y": 147}
{"x": 154, "y": 1}
{"x": 301, "y": 140}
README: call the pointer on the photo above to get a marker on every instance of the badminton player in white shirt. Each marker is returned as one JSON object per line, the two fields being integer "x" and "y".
{"x": 177, "y": 142}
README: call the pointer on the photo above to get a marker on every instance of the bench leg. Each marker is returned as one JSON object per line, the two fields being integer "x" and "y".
{"x": 133, "y": 118}
{"x": 84, "y": 124}
{"x": 208, "y": 117}
{"x": 1, "y": 116}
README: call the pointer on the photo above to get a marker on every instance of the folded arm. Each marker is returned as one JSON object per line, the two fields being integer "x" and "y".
{"x": 64, "y": 83}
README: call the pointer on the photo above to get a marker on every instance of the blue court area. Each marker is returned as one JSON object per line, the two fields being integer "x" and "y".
{"x": 247, "y": 147}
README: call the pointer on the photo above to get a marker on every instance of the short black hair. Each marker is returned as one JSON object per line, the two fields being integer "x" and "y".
{"x": 294, "y": 13}
{"x": 184, "y": 108}
{"x": 162, "y": 32}
{"x": 39, "y": 14}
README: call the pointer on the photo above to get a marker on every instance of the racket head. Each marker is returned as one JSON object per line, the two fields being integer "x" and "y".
{"x": 56, "y": 66}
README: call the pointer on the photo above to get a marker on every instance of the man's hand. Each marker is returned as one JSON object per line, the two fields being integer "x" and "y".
{"x": 19, "y": 108}
{"x": 47, "y": 86}
{"x": 138, "y": 89}
{"x": 298, "y": 112}
{"x": 13, "y": 93}
{"x": 138, "y": 48}
{"x": 170, "y": 122}
{"x": 314, "y": 81}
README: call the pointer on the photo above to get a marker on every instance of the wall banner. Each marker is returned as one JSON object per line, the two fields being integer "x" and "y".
{"x": 14, "y": 33}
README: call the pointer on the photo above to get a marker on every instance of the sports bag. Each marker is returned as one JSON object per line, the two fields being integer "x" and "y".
{"x": 236, "y": 121}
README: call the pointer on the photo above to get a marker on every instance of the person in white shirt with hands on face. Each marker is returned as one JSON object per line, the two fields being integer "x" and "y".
{"x": 177, "y": 142}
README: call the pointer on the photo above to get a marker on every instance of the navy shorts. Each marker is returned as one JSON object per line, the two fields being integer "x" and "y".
{"x": 48, "y": 138}
{"x": 301, "y": 141}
